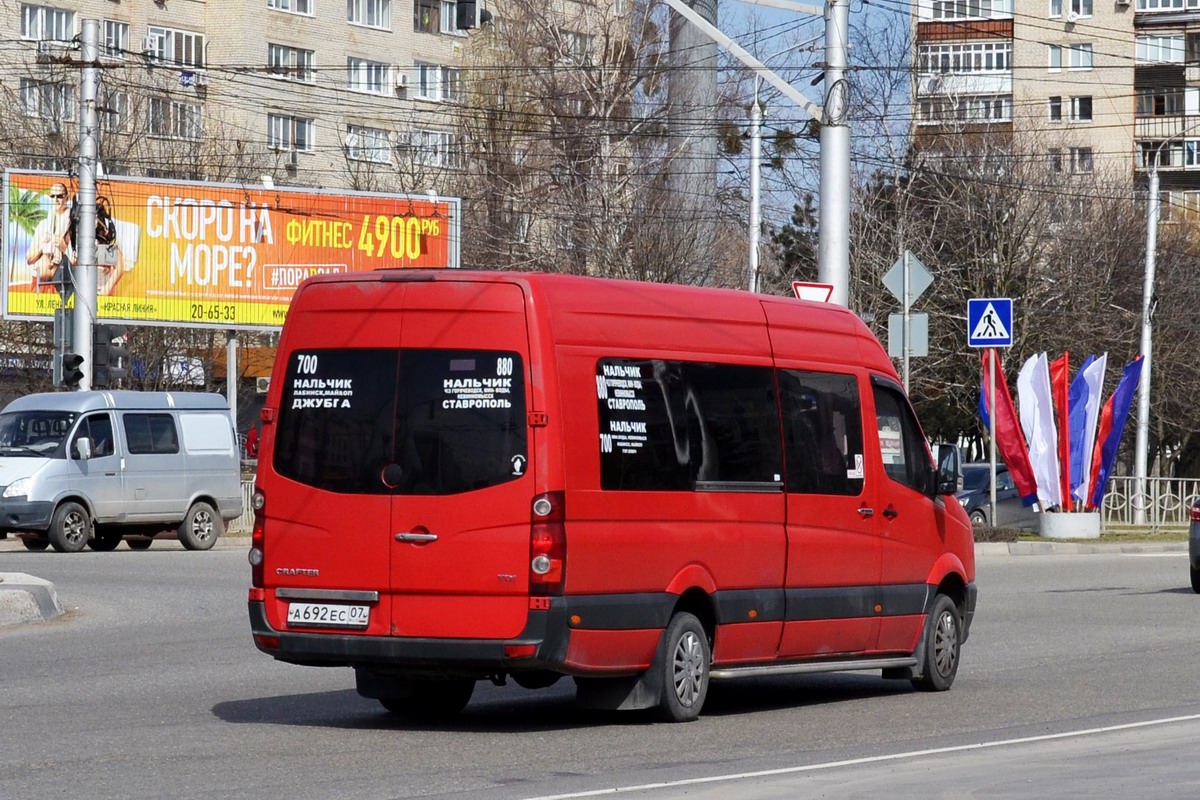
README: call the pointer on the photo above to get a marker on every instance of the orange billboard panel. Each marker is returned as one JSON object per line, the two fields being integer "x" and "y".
{"x": 209, "y": 254}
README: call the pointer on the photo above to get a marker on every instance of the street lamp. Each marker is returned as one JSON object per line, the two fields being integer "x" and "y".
{"x": 756, "y": 122}
{"x": 1141, "y": 444}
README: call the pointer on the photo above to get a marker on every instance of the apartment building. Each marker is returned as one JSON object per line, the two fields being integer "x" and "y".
{"x": 313, "y": 89}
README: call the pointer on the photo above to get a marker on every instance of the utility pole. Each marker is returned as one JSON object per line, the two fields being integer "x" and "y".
{"x": 833, "y": 242}
{"x": 85, "y": 230}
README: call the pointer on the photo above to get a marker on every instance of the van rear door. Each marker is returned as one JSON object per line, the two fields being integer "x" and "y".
{"x": 459, "y": 549}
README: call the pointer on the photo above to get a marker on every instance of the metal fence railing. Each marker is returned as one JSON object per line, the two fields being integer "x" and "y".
{"x": 1168, "y": 503}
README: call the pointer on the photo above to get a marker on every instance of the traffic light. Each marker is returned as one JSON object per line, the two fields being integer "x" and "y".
{"x": 467, "y": 15}
{"x": 109, "y": 355}
{"x": 72, "y": 370}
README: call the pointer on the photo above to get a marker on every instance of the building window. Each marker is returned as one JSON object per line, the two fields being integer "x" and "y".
{"x": 964, "y": 58}
{"x": 1056, "y": 160}
{"x": 116, "y": 39}
{"x": 43, "y": 23}
{"x": 368, "y": 76}
{"x": 368, "y": 144}
{"x": 1160, "y": 49}
{"x": 292, "y": 6}
{"x": 1081, "y": 160}
{"x": 176, "y": 47}
{"x": 1080, "y": 56}
{"x": 1159, "y": 102}
{"x": 1159, "y": 154}
{"x": 290, "y": 62}
{"x": 971, "y": 9}
{"x": 1167, "y": 5}
{"x": 1079, "y": 8}
{"x": 371, "y": 13}
{"x": 53, "y": 101}
{"x": 449, "y": 17}
{"x": 171, "y": 119}
{"x": 113, "y": 110}
{"x": 436, "y": 148}
{"x": 985, "y": 109}
{"x": 1056, "y": 108}
{"x": 426, "y": 16}
{"x": 1081, "y": 108}
{"x": 289, "y": 133}
{"x": 438, "y": 83}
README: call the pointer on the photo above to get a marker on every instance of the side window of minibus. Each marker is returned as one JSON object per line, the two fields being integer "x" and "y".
{"x": 98, "y": 430}
{"x": 822, "y": 432}
{"x": 905, "y": 457}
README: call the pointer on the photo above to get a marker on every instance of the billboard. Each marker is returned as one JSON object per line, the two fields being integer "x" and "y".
{"x": 217, "y": 255}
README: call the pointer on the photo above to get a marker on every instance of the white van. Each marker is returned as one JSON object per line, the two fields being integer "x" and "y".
{"x": 87, "y": 469}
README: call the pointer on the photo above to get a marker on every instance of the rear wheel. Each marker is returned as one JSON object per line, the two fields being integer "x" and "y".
{"x": 433, "y": 699}
{"x": 979, "y": 519}
{"x": 685, "y": 663}
{"x": 70, "y": 528}
{"x": 200, "y": 528}
{"x": 943, "y": 644}
{"x": 32, "y": 543}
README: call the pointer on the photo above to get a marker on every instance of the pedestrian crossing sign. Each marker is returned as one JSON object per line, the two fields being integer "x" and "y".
{"x": 989, "y": 322}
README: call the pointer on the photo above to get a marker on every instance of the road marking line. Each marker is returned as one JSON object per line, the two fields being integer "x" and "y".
{"x": 867, "y": 760}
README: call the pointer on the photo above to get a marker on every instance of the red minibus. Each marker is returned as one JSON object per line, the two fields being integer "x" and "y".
{"x": 470, "y": 476}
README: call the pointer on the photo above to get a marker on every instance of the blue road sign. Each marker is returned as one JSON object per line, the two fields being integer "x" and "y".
{"x": 990, "y": 322}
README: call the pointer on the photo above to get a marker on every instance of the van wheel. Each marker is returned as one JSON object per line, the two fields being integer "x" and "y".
{"x": 138, "y": 542}
{"x": 200, "y": 528}
{"x": 104, "y": 541}
{"x": 433, "y": 699}
{"x": 943, "y": 645}
{"x": 979, "y": 519}
{"x": 34, "y": 544}
{"x": 70, "y": 528}
{"x": 685, "y": 663}
{"x": 1195, "y": 575}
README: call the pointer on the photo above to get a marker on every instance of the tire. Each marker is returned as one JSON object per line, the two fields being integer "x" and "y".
{"x": 34, "y": 544}
{"x": 138, "y": 543}
{"x": 1195, "y": 577}
{"x": 201, "y": 527}
{"x": 943, "y": 646}
{"x": 979, "y": 519}
{"x": 70, "y": 528}
{"x": 433, "y": 700}
{"x": 685, "y": 660}
{"x": 104, "y": 541}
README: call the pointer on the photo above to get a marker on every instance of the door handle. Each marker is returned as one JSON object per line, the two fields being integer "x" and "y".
{"x": 890, "y": 513}
{"x": 865, "y": 512}
{"x": 416, "y": 537}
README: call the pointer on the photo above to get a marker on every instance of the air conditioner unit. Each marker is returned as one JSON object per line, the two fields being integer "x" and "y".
{"x": 293, "y": 158}
{"x": 49, "y": 50}
{"x": 401, "y": 78}
{"x": 261, "y": 385}
{"x": 152, "y": 44}
{"x": 1122, "y": 3}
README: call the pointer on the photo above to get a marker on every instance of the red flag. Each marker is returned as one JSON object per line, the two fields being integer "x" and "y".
{"x": 1010, "y": 441}
{"x": 1060, "y": 382}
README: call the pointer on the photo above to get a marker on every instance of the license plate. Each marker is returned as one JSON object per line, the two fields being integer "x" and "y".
{"x": 328, "y": 615}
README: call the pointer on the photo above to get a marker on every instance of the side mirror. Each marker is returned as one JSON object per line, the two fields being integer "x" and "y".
{"x": 949, "y": 469}
{"x": 83, "y": 448}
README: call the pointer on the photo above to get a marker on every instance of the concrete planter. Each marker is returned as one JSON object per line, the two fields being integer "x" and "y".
{"x": 1085, "y": 525}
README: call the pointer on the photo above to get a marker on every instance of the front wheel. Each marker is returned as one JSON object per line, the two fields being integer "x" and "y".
{"x": 943, "y": 645}
{"x": 685, "y": 663}
{"x": 70, "y": 528}
{"x": 1195, "y": 577}
{"x": 979, "y": 519}
{"x": 200, "y": 528}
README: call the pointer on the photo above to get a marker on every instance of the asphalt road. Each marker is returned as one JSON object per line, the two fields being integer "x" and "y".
{"x": 1078, "y": 681}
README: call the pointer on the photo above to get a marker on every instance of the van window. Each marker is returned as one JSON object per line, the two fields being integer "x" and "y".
{"x": 421, "y": 422}
{"x": 151, "y": 433}
{"x": 34, "y": 433}
{"x": 99, "y": 431}
{"x": 680, "y": 425}
{"x": 822, "y": 430}
{"x": 901, "y": 443}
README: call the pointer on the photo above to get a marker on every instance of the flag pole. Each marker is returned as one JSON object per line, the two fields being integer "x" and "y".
{"x": 992, "y": 432}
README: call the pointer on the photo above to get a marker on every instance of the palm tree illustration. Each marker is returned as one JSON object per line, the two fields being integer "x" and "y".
{"x": 25, "y": 208}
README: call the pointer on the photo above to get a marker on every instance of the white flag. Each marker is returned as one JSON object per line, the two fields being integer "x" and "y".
{"x": 1037, "y": 422}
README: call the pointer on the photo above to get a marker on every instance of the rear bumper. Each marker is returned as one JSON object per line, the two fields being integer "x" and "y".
{"x": 546, "y": 630}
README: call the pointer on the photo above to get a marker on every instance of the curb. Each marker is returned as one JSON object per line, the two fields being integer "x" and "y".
{"x": 1076, "y": 548}
{"x": 24, "y": 598}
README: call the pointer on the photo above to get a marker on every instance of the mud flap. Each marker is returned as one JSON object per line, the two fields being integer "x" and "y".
{"x": 629, "y": 693}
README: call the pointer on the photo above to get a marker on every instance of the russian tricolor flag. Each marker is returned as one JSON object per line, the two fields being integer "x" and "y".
{"x": 1112, "y": 425}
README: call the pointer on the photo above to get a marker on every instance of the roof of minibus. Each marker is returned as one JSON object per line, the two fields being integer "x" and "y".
{"x": 124, "y": 400}
{"x": 574, "y": 305}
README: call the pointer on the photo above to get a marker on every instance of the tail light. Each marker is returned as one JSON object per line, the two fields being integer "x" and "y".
{"x": 258, "y": 502}
{"x": 1196, "y": 511}
{"x": 547, "y": 544}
